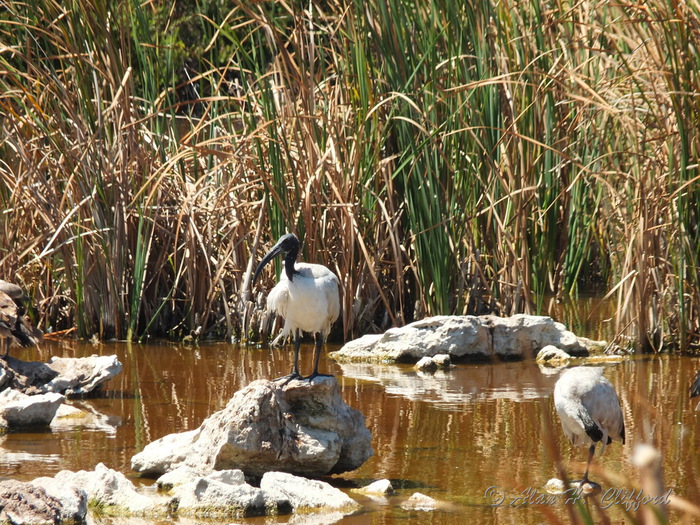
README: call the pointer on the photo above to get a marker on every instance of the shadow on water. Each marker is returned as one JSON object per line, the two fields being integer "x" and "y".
{"x": 451, "y": 435}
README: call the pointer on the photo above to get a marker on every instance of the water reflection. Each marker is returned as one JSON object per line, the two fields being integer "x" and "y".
{"x": 450, "y": 436}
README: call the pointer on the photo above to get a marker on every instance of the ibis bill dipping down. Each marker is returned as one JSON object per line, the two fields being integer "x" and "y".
{"x": 589, "y": 410}
{"x": 306, "y": 296}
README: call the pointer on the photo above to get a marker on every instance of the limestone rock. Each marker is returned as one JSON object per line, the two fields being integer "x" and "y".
{"x": 18, "y": 410}
{"x": 308, "y": 494}
{"x": 420, "y": 501}
{"x": 379, "y": 488}
{"x": 553, "y": 356}
{"x": 302, "y": 427}
{"x": 462, "y": 337}
{"x": 69, "y": 375}
{"x": 225, "y": 494}
{"x": 73, "y": 500}
{"x": 426, "y": 364}
{"x": 27, "y": 503}
{"x": 113, "y": 493}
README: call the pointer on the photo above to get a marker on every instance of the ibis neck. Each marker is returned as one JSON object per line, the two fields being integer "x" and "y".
{"x": 289, "y": 261}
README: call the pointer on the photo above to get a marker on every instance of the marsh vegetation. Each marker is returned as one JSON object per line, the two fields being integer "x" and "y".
{"x": 441, "y": 157}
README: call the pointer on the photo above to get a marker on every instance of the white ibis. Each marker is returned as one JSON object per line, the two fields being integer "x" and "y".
{"x": 589, "y": 410}
{"x": 15, "y": 328}
{"x": 306, "y": 296}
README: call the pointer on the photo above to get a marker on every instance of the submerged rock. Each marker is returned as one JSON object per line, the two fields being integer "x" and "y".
{"x": 302, "y": 427}
{"x": 63, "y": 375}
{"x": 463, "y": 337}
{"x": 419, "y": 501}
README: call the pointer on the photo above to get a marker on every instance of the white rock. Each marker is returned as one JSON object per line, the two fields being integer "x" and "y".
{"x": 483, "y": 337}
{"x": 553, "y": 356}
{"x": 555, "y": 486}
{"x": 226, "y": 494}
{"x": 18, "y": 410}
{"x": 379, "y": 487}
{"x": 181, "y": 475}
{"x": 108, "y": 488}
{"x": 419, "y": 501}
{"x": 443, "y": 360}
{"x": 302, "y": 427}
{"x": 426, "y": 364}
{"x": 81, "y": 375}
{"x": 308, "y": 494}
{"x": 73, "y": 499}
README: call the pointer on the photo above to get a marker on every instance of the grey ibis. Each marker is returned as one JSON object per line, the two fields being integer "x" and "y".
{"x": 306, "y": 296}
{"x": 589, "y": 410}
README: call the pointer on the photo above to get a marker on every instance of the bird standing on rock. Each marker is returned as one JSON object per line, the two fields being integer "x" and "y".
{"x": 15, "y": 328}
{"x": 589, "y": 410}
{"x": 306, "y": 296}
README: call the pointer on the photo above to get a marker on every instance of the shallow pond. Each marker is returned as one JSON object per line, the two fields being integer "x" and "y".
{"x": 451, "y": 436}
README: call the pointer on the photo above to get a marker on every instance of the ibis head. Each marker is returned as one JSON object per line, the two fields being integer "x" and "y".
{"x": 287, "y": 244}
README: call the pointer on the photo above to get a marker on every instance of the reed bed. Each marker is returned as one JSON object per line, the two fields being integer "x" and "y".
{"x": 441, "y": 157}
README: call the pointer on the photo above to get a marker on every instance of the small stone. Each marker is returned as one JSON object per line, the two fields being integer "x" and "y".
{"x": 18, "y": 410}
{"x": 443, "y": 360}
{"x": 379, "y": 487}
{"x": 426, "y": 364}
{"x": 555, "y": 486}
{"x": 420, "y": 501}
{"x": 551, "y": 355}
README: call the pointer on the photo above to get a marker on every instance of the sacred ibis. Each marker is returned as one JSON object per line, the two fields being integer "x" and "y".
{"x": 306, "y": 296}
{"x": 15, "y": 328}
{"x": 589, "y": 410}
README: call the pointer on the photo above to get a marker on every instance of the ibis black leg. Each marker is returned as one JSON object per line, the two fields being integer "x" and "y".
{"x": 317, "y": 354}
{"x": 295, "y": 369}
{"x": 591, "y": 451}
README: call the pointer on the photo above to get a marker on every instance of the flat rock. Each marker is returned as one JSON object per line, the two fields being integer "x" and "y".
{"x": 18, "y": 410}
{"x": 64, "y": 375}
{"x": 302, "y": 427}
{"x": 463, "y": 337}
{"x": 380, "y": 487}
{"x": 225, "y": 494}
{"x": 113, "y": 493}
{"x": 308, "y": 495}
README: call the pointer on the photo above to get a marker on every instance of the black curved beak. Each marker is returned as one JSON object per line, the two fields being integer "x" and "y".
{"x": 274, "y": 251}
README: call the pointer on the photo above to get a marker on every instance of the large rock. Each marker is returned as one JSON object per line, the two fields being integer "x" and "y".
{"x": 18, "y": 410}
{"x": 462, "y": 337}
{"x": 302, "y": 427}
{"x": 64, "y": 375}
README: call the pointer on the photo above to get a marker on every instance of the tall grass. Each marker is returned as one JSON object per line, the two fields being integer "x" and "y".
{"x": 440, "y": 157}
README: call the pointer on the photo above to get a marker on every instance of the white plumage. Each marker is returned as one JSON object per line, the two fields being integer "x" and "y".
{"x": 307, "y": 296}
{"x": 589, "y": 409}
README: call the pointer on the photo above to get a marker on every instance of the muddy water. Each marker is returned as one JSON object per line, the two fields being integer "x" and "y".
{"x": 451, "y": 436}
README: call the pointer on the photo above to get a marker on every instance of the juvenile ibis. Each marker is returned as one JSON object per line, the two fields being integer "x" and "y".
{"x": 589, "y": 410}
{"x": 306, "y": 296}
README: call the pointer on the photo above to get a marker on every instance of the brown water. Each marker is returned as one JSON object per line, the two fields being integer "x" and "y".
{"x": 450, "y": 436}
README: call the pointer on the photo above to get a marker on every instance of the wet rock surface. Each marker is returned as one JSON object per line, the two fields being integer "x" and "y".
{"x": 302, "y": 427}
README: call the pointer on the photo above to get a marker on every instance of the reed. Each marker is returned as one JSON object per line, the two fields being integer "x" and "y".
{"x": 441, "y": 157}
